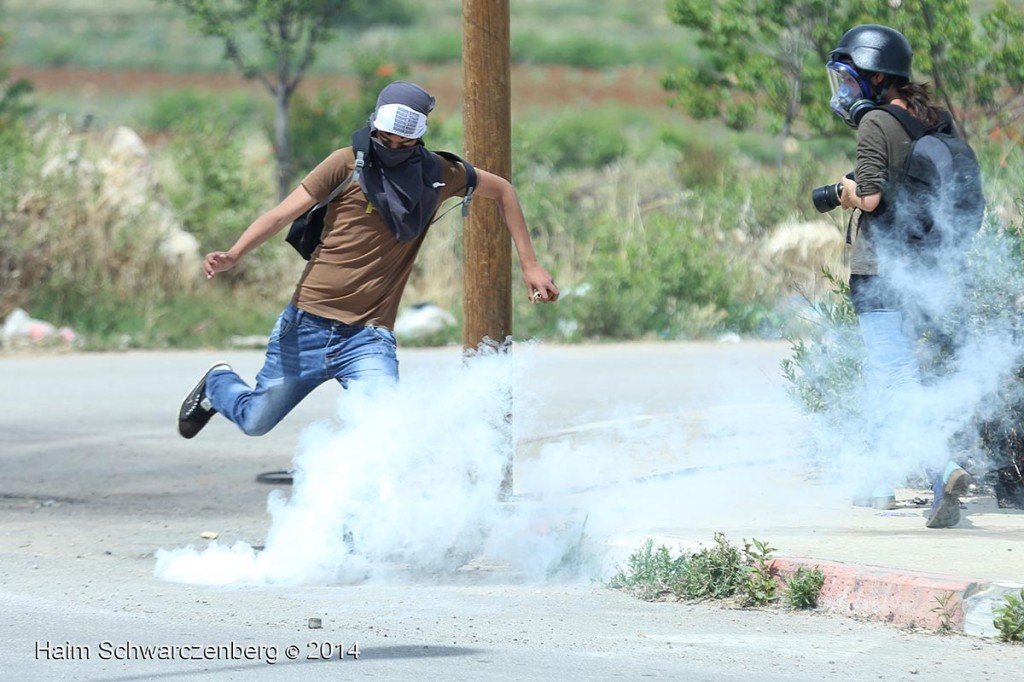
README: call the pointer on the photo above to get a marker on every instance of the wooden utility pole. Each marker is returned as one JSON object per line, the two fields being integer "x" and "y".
{"x": 487, "y": 125}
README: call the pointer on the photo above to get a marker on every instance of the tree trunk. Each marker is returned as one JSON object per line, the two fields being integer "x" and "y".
{"x": 282, "y": 144}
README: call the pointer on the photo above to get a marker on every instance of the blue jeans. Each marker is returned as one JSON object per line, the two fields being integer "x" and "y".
{"x": 891, "y": 358}
{"x": 891, "y": 377}
{"x": 304, "y": 351}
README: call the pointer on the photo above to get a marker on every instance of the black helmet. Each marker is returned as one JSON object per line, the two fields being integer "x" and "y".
{"x": 876, "y": 48}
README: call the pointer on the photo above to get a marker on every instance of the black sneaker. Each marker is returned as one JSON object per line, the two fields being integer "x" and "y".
{"x": 196, "y": 409}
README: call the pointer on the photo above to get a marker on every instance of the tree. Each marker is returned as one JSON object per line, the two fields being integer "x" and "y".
{"x": 767, "y": 57}
{"x": 947, "y": 50}
{"x": 288, "y": 33}
{"x": 999, "y": 87}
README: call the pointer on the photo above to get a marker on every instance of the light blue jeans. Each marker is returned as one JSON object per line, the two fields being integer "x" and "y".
{"x": 891, "y": 360}
{"x": 304, "y": 351}
{"x": 891, "y": 375}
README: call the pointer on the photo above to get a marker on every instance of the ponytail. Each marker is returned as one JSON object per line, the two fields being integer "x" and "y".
{"x": 919, "y": 102}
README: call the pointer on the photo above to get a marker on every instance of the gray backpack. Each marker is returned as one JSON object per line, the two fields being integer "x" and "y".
{"x": 938, "y": 202}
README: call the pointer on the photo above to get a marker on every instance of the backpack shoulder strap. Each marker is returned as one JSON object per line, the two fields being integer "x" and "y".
{"x": 360, "y": 145}
{"x": 914, "y": 127}
{"x": 470, "y": 177}
{"x": 361, "y": 141}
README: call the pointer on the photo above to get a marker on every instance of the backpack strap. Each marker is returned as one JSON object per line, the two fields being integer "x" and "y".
{"x": 360, "y": 145}
{"x": 470, "y": 178}
{"x": 913, "y": 126}
{"x": 361, "y": 142}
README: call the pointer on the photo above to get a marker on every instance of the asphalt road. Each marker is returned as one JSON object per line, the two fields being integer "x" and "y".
{"x": 96, "y": 485}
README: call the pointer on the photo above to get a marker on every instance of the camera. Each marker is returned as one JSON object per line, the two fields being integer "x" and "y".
{"x": 828, "y": 197}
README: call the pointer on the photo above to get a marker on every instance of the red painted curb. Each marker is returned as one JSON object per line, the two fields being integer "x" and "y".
{"x": 886, "y": 594}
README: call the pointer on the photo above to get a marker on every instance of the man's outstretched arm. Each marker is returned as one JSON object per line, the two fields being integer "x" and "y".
{"x": 261, "y": 229}
{"x": 537, "y": 279}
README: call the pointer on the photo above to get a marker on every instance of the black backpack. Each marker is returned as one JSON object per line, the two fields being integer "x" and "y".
{"x": 938, "y": 202}
{"x": 306, "y": 231}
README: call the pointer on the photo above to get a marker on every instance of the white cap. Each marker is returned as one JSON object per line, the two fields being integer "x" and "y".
{"x": 399, "y": 119}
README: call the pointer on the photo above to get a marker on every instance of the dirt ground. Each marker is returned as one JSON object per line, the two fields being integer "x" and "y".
{"x": 532, "y": 86}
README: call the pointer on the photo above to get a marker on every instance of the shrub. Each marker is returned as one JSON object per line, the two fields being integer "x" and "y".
{"x": 17, "y": 158}
{"x": 570, "y": 142}
{"x": 663, "y": 274}
{"x": 720, "y": 571}
{"x": 758, "y": 586}
{"x": 78, "y": 253}
{"x": 213, "y": 183}
{"x": 1009, "y": 618}
{"x": 804, "y": 587}
{"x": 712, "y": 573}
{"x": 171, "y": 111}
{"x": 825, "y": 363}
{"x": 650, "y": 573}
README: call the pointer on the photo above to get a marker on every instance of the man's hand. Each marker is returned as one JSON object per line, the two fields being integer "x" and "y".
{"x": 218, "y": 261}
{"x": 539, "y": 285}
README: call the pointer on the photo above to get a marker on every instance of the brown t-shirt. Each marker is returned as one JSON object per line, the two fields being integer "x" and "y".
{"x": 358, "y": 273}
{"x": 882, "y": 148}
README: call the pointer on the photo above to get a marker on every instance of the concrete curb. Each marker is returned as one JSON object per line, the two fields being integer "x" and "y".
{"x": 908, "y": 598}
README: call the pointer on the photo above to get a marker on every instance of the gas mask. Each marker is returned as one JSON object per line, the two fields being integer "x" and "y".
{"x": 851, "y": 94}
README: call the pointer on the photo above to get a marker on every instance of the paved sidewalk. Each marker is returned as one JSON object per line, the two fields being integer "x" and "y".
{"x": 883, "y": 565}
{"x": 737, "y": 466}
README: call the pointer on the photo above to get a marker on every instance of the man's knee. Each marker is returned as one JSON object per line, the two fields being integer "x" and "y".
{"x": 258, "y": 425}
{"x": 256, "y": 430}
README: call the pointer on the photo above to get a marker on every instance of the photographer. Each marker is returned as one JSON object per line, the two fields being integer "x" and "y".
{"x": 870, "y": 68}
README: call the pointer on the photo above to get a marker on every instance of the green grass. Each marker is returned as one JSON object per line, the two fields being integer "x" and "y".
{"x": 207, "y": 318}
{"x": 616, "y": 194}
{"x": 152, "y": 35}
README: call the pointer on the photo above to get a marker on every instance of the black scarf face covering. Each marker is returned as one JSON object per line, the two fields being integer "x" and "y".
{"x": 404, "y": 186}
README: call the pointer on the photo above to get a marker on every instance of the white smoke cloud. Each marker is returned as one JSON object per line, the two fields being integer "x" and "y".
{"x": 406, "y": 484}
{"x": 894, "y": 436}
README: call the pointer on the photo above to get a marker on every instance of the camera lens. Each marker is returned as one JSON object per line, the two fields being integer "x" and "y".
{"x": 826, "y": 197}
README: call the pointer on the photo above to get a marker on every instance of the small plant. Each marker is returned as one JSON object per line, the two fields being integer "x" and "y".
{"x": 649, "y": 572}
{"x": 758, "y": 586}
{"x": 713, "y": 572}
{"x": 824, "y": 370}
{"x": 1009, "y": 618}
{"x": 804, "y": 588}
{"x": 946, "y": 610}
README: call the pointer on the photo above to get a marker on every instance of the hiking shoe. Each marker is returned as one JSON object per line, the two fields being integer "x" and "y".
{"x": 945, "y": 511}
{"x": 196, "y": 409}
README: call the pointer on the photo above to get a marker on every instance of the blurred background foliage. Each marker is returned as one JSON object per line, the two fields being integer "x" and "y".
{"x": 661, "y": 213}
